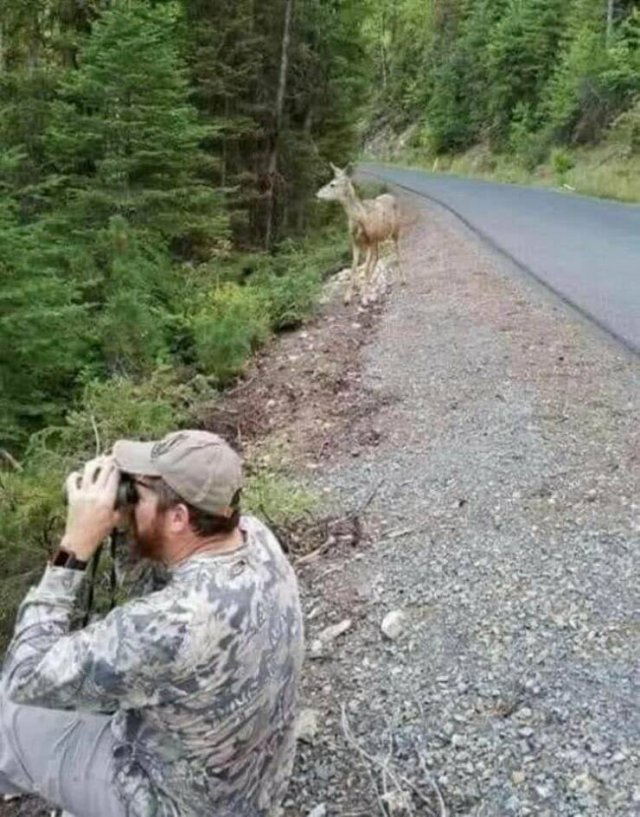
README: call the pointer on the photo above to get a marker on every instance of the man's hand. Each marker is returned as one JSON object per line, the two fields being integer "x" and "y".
{"x": 91, "y": 515}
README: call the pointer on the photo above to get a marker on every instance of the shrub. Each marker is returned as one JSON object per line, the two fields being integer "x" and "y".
{"x": 227, "y": 327}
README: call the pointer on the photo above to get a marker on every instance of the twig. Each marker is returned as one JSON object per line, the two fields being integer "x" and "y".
{"x": 240, "y": 386}
{"x": 433, "y": 784}
{"x": 373, "y": 761}
{"x": 398, "y": 534}
{"x": 96, "y": 434}
{"x": 11, "y": 459}
{"x": 370, "y": 498}
{"x": 312, "y": 556}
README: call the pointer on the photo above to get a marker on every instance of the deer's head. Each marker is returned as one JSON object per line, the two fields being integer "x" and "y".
{"x": 339, "y": 188}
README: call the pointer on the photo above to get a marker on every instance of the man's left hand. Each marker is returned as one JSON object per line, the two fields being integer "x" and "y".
{"x": 91, "y": 515}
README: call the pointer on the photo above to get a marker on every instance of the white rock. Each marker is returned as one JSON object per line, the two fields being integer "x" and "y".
{"x": 393, "y": 624}
{"x": 332, "y": 632}
{"x": 307, "y": 725}
{"x": 398, "y": 802}
{"x": 318, "y": 811}
{"x": 315, "y": 648}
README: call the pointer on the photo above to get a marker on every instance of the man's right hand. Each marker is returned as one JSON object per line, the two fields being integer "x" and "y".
{"x": 91, "y": 500}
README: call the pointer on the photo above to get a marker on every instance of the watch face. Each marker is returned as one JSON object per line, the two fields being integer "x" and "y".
{"x": 61, "y": 558}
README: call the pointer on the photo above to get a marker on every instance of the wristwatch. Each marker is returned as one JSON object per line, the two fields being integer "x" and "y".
{"x": 67, "y": 558}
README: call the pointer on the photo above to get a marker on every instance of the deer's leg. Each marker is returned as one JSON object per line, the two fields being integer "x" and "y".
{"x": 353, "y": 279}
{"x": 372, "y": 260}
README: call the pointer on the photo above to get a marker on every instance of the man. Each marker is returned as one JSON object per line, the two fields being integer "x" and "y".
{"x": 199, "y": 677}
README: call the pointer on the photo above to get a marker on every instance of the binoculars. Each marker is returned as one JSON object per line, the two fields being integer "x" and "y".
{"x": 127, "y": 494}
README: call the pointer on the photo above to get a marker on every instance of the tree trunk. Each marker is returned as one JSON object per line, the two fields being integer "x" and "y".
{"x": 610, "y": 10}
{"x": 383, "y": 48}
{"x": 273, "y": 156}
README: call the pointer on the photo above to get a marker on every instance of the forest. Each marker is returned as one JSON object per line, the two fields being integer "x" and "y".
{"x": 158, "y": 164}
{"x": 512, "y": 85}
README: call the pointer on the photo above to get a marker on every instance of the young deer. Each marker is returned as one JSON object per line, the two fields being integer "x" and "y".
{"x": 371, "y": 221}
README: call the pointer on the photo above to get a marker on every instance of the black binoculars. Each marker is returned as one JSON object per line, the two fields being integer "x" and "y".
{"x": 127, "y": 494}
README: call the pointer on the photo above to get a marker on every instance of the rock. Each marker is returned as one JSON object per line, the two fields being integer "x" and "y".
{"x": 318, "y": 811}
{"x": 512, "y": 805}
{"x": 582, "y": 783}
{"x": 393, "y": 624}
{"x": 333, "y": 631}
{"x": 518, "y": 777}
{"x": 397, "y": 802}
{"x": 307, "y": 725}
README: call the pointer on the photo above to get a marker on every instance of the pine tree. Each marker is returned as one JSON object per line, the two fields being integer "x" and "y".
{"x": 126, "y": 139}
{"x": 44, "y": 327}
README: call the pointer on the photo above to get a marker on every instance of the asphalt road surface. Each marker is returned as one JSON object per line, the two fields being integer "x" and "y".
{"x": 586, "y": 250}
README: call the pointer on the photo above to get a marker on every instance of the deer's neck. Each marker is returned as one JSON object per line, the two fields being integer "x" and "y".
{"x": 352, "y": 204}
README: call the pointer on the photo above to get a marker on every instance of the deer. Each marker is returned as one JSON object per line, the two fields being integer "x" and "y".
{"x": 371, "y": 222}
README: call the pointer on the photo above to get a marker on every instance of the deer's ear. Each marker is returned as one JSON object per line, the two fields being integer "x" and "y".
{"x": 335, "y": 168}
{"x": 348, "y": 171}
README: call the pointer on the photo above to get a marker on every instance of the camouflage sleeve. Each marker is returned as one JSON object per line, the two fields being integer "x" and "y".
{"x": 120, "y": 661}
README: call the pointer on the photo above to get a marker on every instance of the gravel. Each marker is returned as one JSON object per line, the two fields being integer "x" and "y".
{"x": 505, "y": 527}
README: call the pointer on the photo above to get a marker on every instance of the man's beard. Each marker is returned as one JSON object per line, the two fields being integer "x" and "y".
{"x": 150, "y": 541}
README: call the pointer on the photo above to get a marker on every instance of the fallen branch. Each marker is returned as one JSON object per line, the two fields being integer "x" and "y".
{"x": 369, "y": 499}
{"x": 384, "y": 766}
{"x": 432, "y": 783}
{"x": 11, "y": 459}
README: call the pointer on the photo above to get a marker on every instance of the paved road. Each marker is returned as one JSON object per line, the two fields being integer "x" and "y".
{"x": 586, "y": 250}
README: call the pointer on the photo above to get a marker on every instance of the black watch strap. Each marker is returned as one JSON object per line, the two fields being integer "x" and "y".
{"x": 66, "y": 558}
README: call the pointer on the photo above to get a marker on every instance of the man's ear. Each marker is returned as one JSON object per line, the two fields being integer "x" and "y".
{"x": 178, "y": 517}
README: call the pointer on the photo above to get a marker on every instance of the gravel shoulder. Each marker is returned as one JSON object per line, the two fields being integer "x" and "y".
{"x": 505, "y": 527}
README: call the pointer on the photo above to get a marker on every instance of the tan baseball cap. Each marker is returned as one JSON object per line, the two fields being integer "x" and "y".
{"x": 200, "y": 466}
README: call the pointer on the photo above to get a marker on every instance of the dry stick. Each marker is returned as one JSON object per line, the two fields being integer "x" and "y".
{"x": 370, "y": 498}
{"x": 353, "y": 742}
{"x": 11, "y": 459}
{"x": 433, "y": 784}
{"x": 423, "y": 766}
{"x": 241, "y": 386}
{"x": 96, "y": 434}
{"x": 384, "y": 774}
{"x": 375, "y": 762}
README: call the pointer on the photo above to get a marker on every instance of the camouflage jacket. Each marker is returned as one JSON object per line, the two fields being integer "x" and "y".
{"x": 200, "y": 678}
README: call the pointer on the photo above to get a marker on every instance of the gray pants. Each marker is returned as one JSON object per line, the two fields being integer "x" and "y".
{"x": 65, "y": 757}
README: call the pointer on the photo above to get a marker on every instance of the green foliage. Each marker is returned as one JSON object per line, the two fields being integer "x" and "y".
{"x": 290, "y": 280}
{"x": 124, "y": 136}
{"x": 561, "y": 162}
{"x": 516, "y": 76}
{"x": 228, "y": 325}
{"x": 45, "y": 332}
{"x": 625, "y": 131}
{"x": 277, "y": 498}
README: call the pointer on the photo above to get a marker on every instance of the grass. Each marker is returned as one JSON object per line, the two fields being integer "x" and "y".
{"x": 607, "y": 171}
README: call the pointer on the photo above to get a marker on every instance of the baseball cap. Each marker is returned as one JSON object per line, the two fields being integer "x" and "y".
{"x": 200, "y": 466}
